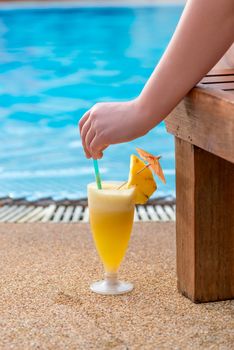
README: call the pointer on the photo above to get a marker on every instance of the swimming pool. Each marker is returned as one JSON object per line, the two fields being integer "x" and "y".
{"x": 54, "y": 65}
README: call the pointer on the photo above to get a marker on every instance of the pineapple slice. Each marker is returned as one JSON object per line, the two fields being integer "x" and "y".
{"x": 144, "y": 181}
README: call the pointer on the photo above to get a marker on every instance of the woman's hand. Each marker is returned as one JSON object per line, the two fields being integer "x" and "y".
{"x": 110, "y": 123}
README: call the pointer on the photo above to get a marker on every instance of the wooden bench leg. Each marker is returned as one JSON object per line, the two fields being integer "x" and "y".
{"x": 204, "y": 224}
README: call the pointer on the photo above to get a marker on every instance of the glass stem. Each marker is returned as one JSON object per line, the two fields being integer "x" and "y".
{"x": 111, "y": 278}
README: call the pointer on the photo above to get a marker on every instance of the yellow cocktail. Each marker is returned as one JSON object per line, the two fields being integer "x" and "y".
{"x": 111, "y": 218}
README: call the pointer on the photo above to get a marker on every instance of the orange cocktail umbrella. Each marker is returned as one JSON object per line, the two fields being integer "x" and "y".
{"x": 153, "y": 163}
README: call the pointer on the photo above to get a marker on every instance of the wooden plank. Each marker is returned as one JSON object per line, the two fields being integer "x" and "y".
{"x": 214, "y": 200}
{"x": 218, "y": 79}
{"x": 222, "y": 71}
{"x": 205, "y": 224}
{"x": 225, "y": 96}
{"x": 206, "y": 121}
{"x": 185, "y": 220}
{"x": 221, "y": 86}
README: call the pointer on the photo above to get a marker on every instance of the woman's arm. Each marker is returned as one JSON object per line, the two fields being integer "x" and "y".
{"x": 204, "y": 33}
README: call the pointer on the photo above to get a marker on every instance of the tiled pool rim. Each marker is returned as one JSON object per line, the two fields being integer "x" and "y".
{"x": 48, "y": 210}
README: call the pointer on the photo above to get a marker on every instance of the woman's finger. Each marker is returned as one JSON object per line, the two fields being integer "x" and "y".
{"x": 84, "y": 132}
{"x": 96, "y": 149}
{"x": 98, "y": 155}
{"x": 83, "y": 120}
{"x": 89, "y": 138}
{"x": 85, "y": 129}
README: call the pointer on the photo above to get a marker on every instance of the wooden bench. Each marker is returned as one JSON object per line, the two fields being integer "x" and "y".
{"x": 203, "y": 126}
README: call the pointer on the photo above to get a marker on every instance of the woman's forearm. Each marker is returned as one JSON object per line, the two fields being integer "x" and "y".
{"x": 203, "y": 35}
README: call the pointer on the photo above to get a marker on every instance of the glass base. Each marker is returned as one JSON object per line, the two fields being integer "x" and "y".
{"x": 111, "y": 286}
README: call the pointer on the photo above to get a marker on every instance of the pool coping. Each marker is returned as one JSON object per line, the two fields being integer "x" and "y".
{"x": 40, "y": 4}
{"x": 163, "y": 200}
{"x": 48, "y": 210}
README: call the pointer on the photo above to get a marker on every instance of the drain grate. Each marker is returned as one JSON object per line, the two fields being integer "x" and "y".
{"x": 55, "y": 213}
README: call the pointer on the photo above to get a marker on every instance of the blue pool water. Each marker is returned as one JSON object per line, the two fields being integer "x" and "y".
{"x": 54, "y": 65}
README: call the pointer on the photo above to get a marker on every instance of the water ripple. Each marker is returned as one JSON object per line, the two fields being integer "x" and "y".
{"x": 56, "y": 67}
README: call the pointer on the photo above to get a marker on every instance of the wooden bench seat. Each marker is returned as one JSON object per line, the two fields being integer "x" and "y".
{"x": 203, "y": 126}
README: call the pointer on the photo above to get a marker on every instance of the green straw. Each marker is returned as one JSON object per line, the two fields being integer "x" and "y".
{"x": 97, "y": 174}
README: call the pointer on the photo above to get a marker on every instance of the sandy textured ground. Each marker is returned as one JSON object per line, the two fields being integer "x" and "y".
{"x": 45, "y": 302}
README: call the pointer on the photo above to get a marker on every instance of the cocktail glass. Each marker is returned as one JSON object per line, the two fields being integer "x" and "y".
{"x": 111, "y": 219}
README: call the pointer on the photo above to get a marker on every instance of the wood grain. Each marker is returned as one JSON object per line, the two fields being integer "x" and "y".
{"x": 205, "y": 224}
{"x": 220, "y": 71}
{"x": 218, "y": 79}
{"x": 226, "y": 86}
{"x": 205, "y": 118}
{"x": 185, "y": 218}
